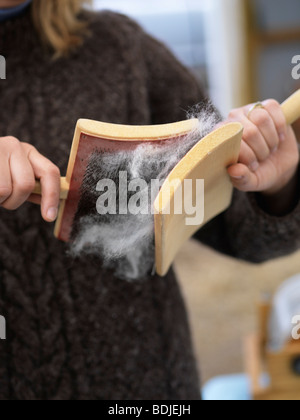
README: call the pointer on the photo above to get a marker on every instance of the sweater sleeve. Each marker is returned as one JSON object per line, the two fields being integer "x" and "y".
{"x": 246, "y": 232}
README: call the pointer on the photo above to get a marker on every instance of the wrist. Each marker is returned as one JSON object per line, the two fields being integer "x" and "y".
{"x": 285, "y": 182}
{"x": 283, "y": 198}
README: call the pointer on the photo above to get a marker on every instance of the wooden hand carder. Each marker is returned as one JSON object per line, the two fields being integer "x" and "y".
{"x": 208, "y": 160}
{"x": 90, "y": 137}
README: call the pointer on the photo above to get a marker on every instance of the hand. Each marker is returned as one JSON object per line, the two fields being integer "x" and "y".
{"x": 20, "y": 165}
{"x": 269, "y": 156}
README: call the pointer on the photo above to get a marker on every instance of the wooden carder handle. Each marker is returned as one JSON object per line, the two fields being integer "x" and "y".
{"x": 291, "y": 108}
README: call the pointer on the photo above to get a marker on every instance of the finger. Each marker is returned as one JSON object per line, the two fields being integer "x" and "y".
{"x": 255, "y": 140}
{"x": 35, "y": 199}
{"x": 49, "y": 176}
{"x": 248, "y": 157}
{"x": 5, "y": 178}
{"x": 264, "y": 122}
{"x": 251, "y": 135}
{"x": 22, "y": 178}
{"x": 275, "y": 111}
{"x": 242, "y": 178}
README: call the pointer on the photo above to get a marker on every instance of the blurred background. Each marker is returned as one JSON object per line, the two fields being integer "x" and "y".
{"x": 242, "y": 50}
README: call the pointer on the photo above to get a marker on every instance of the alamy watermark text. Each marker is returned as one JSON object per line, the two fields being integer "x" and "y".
{"x": 2, "y": 328}
{"x": 2, "y": 68}
{"x": 137, "y": 197}
{"x": 296, "y": 68}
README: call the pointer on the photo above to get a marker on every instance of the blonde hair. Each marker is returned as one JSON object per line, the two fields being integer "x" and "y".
{"x": 58, "y": 24}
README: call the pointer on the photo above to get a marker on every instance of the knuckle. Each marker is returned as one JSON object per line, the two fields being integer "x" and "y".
{"x": 264, "y": 155}
{"x": 28, "y": 147}
{"x": 272, "y": 103}
{"x": 10, "y": 204}
{"x": 11, "y": 141}
{"x": 234, "y": 113}
{"x": 250, "y": 133}
{"x": 6, "y": 206}
{"x": 5, "y": 193}
{"x": 25, "y": 186}
{"x": 54, "y": 171}
{"x": 260, "y": 118}
{"x": 245, "y": 160}
{"x": 247, "y": 157}
{"x": 51, "y": 170}
{"x": 11, "y": 207}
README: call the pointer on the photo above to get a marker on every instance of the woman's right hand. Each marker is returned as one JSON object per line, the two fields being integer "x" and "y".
{"x": 20, "y": 166}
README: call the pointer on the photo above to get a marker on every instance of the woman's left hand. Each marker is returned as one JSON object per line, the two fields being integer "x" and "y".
{"x": 269, "y": 156}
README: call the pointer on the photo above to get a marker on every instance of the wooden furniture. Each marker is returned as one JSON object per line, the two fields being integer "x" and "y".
{"x": 258, "y": 39}
{"x": 283, "y": 367}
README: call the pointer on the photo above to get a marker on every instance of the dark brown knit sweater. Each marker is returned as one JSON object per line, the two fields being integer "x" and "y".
{"x": 74, "y": 331}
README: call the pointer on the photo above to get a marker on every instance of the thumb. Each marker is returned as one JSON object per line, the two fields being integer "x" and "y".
{"x": 242, "y": 177}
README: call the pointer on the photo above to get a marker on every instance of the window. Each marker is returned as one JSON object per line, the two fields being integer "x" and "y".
{"x": 204, "y": 34}
{"x": 178, "y": 23}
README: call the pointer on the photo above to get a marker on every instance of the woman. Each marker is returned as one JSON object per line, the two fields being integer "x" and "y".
{"x": 74, "y": 331}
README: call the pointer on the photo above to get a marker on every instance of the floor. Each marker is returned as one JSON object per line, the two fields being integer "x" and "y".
{"x": 221, "y": 295}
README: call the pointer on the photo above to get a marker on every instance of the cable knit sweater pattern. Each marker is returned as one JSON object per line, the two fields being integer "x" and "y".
{"x": 74, "y": 331}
